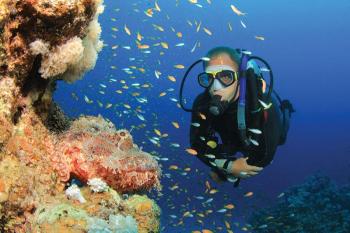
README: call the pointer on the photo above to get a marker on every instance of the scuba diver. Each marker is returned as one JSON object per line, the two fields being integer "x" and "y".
{"x": 238, "y": 106}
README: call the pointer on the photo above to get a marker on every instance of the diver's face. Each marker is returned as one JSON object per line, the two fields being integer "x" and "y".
{"x": 227, "y": 94}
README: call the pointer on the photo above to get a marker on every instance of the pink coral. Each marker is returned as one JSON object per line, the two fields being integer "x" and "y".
{"x": 93, "y": 148}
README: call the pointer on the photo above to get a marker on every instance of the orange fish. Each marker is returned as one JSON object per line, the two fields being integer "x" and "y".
{"x": 206, "y": 231}
{"x": 149, "y": 12}
{"x": 172, "y": 78}
{"x": 179, "y": 66}
{"x": 191, "y": 151}
{"x": 248, "y": 194}
{"x": 229, "y": 206}
{"x": 202, "y": 116}
{"x": 175, "y": 124}
{"x": 143, "y": 46}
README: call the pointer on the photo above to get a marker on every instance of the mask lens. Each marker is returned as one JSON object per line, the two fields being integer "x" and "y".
{"x": 205, "y": 79}
{"x": 226, "y": 77}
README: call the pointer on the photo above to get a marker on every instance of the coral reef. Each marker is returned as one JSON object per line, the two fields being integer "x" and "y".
{"x": 97, "y": 185}
{"x": 317, "y": 205}
{"x": 35, "y": 20}
{"x": 116, "y": 223}
{"x": 4, "y": 10}
{"x": 145, "y": 211}
{"x": 102, "y": 212}
{"x": 42, "y": 41}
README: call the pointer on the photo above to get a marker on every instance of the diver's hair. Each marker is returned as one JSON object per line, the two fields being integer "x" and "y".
{"x": 233, "y": 53}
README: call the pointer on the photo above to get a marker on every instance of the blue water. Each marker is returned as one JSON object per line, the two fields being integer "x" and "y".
{"x": 306, "y": 43}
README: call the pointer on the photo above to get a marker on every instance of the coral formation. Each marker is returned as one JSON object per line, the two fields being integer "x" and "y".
{"x": 73, "y": 192}
{"x": 116, "y": 224}
{"x": 103, "y": 212}
{"x": 46, "y": 39}
{"x": 73, "y": 58}
{"x": 97, "y": 185}
{"x": 42, "y": 41}
{"x": 57, "y": 62}
{"x": 145, "y": 211}
{"x": 317, "y": 205}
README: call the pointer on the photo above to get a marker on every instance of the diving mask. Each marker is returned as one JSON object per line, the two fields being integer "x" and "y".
{"x": 217, "y": 77}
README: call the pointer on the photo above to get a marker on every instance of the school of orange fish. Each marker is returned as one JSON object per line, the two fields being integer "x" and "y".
{"x": 135, "y": 87}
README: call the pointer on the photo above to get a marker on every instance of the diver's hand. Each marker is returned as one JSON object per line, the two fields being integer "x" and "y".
{"x": 241, "y": 169}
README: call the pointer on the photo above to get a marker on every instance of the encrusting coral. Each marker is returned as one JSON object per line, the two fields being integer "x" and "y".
{"x": 98, "y": 213}
{"x": 317, "y": 205}
{"x": 42, "y": 41}
{"x": 73, "y": 58}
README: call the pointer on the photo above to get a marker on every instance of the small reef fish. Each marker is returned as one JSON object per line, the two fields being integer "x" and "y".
{"x": 195, "y": 124}
{"x": 229, "y": 206}
{"x": 236, "y": 11}
{"x": 256, "y": 131}
{"x": 248, "y": 194}
{"x": 209, "y": 200}
{"x": 212, "y": 144}
{"x": 127, "y": 30}
{"x": 140, "y": 117}
{"x": 207, "y": 31}
{"x": 175, "y": 145}
{"x": 175, "y": 124}
{"x": 221, "y": 210}
{"x": 243, "y": 24}
{"x": 191, "y": 151}
{"x": 194, "y": 47}
{"x": 259, "y": 37}
{"x": 172, "y": 78}
{"x": 87, "y": 100}
{"x": 179, "y": 66}
{"x": 210, "y": 156}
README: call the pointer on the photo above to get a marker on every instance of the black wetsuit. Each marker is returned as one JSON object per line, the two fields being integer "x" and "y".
{"x": 225, "y": 126}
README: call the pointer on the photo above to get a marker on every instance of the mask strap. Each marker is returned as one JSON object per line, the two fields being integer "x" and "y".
{"x": 182, "y": 86}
